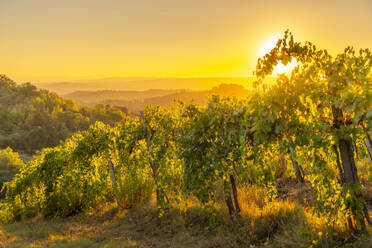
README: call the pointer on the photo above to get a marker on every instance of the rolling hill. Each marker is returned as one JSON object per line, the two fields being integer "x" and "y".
{"x": 137, "y": 100}
{"x": 142, "y": 84}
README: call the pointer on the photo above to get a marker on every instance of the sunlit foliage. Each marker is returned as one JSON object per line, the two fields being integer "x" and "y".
{"x": 318, "y": 116}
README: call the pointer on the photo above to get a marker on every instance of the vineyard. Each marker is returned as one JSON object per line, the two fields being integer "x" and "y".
{"x": 308, "y": 130}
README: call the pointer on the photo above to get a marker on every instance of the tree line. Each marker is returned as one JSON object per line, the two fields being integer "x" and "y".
{"x": 31, "y": 119}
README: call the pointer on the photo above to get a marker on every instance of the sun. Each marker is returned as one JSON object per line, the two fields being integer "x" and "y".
{"x": 280, "y": 68}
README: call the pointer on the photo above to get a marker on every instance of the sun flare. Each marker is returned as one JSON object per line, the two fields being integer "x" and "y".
{"x": 280, "y": 68}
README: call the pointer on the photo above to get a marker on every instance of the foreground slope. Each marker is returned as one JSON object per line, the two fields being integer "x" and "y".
{"x": 283, "y": 223}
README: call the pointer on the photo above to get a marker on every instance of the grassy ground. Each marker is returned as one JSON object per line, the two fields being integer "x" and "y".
{"x": 278, "y": 224}
{"x": 285, "y": 223}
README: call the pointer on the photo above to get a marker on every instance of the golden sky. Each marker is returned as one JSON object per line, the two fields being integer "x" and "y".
{"x": 52, "y": 40}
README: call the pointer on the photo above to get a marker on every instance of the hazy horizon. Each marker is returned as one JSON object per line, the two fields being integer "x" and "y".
{"x": 54, "y": 41}
{"x": 143, "y": 84}
{"x": 126, "y": 78}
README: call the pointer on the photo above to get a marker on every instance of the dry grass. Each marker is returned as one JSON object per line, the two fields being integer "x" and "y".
{"x": 282, "y": 223}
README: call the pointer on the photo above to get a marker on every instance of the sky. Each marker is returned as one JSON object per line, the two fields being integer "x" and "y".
{"x": 54, "y": 40}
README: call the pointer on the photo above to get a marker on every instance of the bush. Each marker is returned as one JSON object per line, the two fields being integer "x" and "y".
{"x": 10, "y": 163}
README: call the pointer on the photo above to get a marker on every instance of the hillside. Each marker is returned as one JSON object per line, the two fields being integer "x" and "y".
{"x": 31, "y": 119}
{"x": 185, "y": 124}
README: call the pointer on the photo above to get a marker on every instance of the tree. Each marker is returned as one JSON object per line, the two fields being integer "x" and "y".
{"x": 337, "y": 91}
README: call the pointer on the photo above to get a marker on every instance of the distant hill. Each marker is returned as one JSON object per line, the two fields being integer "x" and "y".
{"x": 141, "y": 84}
{"x": 91, "y": 84}
{"x": 137, "y": 100}
{"x": 89, "y": 97}
{"x": 201, "y": 97}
